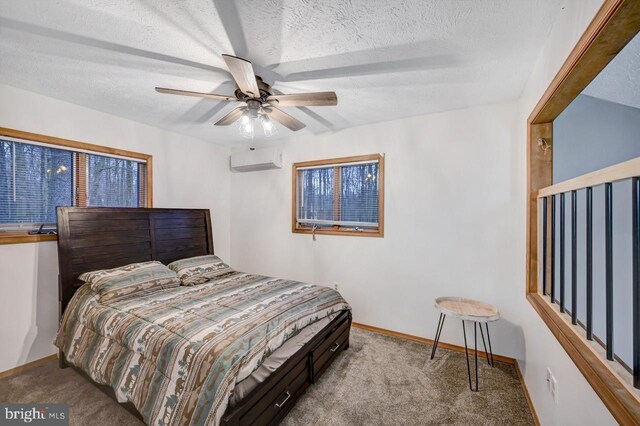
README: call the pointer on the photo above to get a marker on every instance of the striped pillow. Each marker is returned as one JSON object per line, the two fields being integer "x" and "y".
{"x": 136, "y": 278}
{"x": 199, "y": 269}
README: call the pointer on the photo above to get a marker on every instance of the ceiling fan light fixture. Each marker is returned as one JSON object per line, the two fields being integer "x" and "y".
{"x": 246, "y": 126}
{"x": 267, "y": 126}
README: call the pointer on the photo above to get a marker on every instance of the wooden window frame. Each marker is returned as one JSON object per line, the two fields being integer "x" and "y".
{"x": 339, "y": 230}
{"x": 615, "y": 24}
{"x": 23, "y": 236}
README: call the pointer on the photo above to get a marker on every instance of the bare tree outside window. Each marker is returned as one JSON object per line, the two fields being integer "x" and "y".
{"x": 112, "y": 182}
{"x": 342, "y": 195}
{"x": 35, "y": 179}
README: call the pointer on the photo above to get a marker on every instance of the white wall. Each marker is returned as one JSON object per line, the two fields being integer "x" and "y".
{"x": 452, "y": 219}
{"x": 454, "y": 225}
{"x": 577, "y": 402}
{"x": 593, "y": 133}
{"x": 186, "y": 173}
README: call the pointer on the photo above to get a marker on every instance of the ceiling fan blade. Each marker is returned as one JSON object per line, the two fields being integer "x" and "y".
{"x": 242, "y": 72}
{"x": 196, "y": 94}
{"x": 304, "y": 99}
{"x": 285, "y": 119}
{"x": 235, "y": 114}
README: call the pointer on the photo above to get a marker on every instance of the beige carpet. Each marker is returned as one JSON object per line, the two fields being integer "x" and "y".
{"x": 378, "y": 380}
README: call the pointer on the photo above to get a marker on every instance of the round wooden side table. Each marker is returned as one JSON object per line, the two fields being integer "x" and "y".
{"x": 467, "y": 310}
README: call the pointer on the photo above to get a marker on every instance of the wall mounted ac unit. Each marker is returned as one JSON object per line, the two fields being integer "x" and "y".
{"x": 258, "y": 159}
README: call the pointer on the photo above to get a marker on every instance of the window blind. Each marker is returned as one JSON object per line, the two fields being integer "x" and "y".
{"x": 36, "y": 178}
{"x": 344, "y": 195}
{"x": 114, "y": 182}
{"x": 33, "y": 181}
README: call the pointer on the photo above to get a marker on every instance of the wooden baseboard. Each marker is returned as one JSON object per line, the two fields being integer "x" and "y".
{"x": 22, "y": 368}
{"x": 536, "y": 420}
{"x": 441, "y": 344}
{"x": 500, "y": 358}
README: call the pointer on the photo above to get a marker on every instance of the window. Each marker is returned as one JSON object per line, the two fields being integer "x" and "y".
{"x": 33, "y": 181}
{"x": 339, "y": 196}
{"x": 39, "y": 173}
{"x": 114, "y": 182}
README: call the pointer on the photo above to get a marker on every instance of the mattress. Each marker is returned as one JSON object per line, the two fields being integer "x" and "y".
{"x": 178, "y": 353}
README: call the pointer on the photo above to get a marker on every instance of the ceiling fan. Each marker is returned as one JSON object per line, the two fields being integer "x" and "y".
{"x": 259, "y": 102}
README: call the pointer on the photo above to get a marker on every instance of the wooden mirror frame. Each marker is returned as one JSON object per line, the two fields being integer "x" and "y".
{"x": 615, "y": 24}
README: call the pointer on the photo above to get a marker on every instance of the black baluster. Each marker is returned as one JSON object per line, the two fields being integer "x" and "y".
{"x": 574, "y": 257}
{"x": 544, "y": 246}
{"x": 562, "y": 252}
{"x": 636, "y": 281}
{"x": 609, "y": 267}
{"x": 552, "y": 258}
{"x": 590, "y": 263}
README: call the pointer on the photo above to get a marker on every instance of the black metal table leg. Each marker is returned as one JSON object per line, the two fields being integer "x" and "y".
{"x": 437, "y": 338}
{"x": 466, "y": 351}
{"x": 475, "y": 355}
{"x": 468, "y": 310}
{"x": 489, "y": 340}
{"x": 486, "y": 352}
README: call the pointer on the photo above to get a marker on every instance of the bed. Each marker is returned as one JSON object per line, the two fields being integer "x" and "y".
{"x": 253, "y": 374}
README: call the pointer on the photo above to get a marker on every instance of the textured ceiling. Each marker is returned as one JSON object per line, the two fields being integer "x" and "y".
{"x": 384, "y": 59}
{"x": 619, "y": 82}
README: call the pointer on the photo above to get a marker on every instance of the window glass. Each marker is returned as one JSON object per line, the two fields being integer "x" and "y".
{"x": 33, "y": 181}
{"x": 359, "y": 194}
{"x": 316, "y": 194}
{"x": 343, "y": 194}
{"x": 36, "y": 178}
{"x": 112, "y": 182}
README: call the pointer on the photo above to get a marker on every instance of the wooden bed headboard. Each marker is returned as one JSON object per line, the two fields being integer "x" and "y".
{"x": 91, "y": 238}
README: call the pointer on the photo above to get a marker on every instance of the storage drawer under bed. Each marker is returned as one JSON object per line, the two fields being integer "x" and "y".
{"x": 280, "y": 397}
{"x": 272, "y": 406}
{"x": 324, "y": 353}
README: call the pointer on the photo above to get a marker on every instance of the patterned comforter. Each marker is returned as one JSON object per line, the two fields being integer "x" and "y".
{"x": 177, "y": 354}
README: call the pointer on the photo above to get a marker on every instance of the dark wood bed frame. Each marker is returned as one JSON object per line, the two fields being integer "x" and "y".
{"x": 91, "y": 238}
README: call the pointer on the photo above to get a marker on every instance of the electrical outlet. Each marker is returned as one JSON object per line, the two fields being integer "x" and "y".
{"x": 335, "y": 286}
